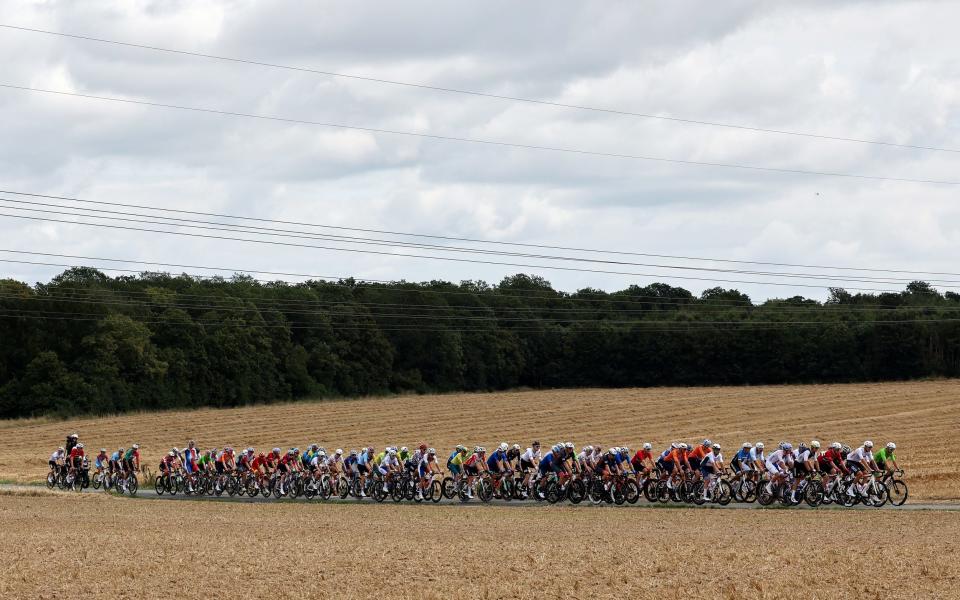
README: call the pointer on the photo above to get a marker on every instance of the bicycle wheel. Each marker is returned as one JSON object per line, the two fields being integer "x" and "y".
{"x": 631, "y": 491}
{"x": 697, "y": 497}
{"x": 724, "y": 493}
{"x": 484, "y": 490}
{"x": 898, "y": 492}
{"x": 878, "y": 496}
{"x": 506, "y": 489}
{"x": 576, "y": 491}
{"x": 51, "y": 480}
{"x": 766, "y": 495}
{"x": 813, "y": 494}
{"x": 132, "y": 484}
{"x": 663, "y": 492}
{"x": 448, "y": 487}
{"x": 158, "y": 486}
{"x": 435, "y": 492}
{"x": 650, "y": 490}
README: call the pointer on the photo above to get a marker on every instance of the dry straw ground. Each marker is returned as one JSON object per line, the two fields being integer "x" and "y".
{"x": 97, "y": 546}
{"x": 922, "y": 417}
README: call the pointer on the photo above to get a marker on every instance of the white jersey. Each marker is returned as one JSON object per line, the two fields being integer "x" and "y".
{"x": 530, "y": 456}
{"x": 389, "y": 462}
{"x": 709, "y": 459}
{"x": 859, "y": 455}
{"x": 332, "y": 461}
{"x": 756, "y": 454}
{"x": 804, "y": 456}
{"x": 777, "y": 458}
{"x": 57, "y": 455}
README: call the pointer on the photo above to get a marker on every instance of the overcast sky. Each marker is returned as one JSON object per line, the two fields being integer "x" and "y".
{"x": 870, "y": 70}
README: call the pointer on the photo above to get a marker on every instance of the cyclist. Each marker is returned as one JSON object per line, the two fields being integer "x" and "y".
{"x": 364, "y": 467}
{"x": 259, "y": 466}
{"x": 778, "y": 464}
{"x": 131, "y": 459}
{"x": 168, "y": 463}
{"x": 334, "y": 463}
{"x": 455, "y": 462}
{"x": 404, "y": 455}
{"x": 695, "y": 456}
{"x": 76, "y": 457}
{"x": 676, "y": 463}
{"x": 529, "y": 461}
{"x": 885, "y": 460}
{"x": 72, "y": 441}
{"x": 472, "y": 467}
{"x": 57, "y": 459}
{"x": 711, "y": 465}
{"x": 428, "y": 466}
{"x": 115, "y": 461}
{"x": 606, "y": 467}
{"x": 860, "y": 463}
{"x": 513, "y": 456}
{"x": 389, "y": 466}
{"x": 758, "y": 461}
{"x": 101, "y": 461}
{"x": 205, "y": 462}
{"x": 740, "y": 463}
{"x": 831, "y": 464}
{"x": 225, "y": 461}
{"x": 804, "y": 464}
{"x": 244, "y": 460}
{"x": 584, "y": 460}
{"x": 642, "y": 461}
{"x": 190, "y": 461}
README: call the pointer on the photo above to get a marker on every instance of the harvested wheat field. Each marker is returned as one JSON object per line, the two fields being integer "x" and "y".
{"x": 101, "y": 546}
{"x": 923, "y": 418}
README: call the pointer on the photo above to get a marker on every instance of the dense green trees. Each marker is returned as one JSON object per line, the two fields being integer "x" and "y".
{"x": 89, "y": 343}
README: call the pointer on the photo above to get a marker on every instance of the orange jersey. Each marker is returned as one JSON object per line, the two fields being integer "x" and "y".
{"x": 699, "y": 452}
{"x": 677, "y": 456}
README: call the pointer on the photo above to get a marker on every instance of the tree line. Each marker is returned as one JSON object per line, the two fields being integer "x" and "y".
{"x": 88, "y": 343}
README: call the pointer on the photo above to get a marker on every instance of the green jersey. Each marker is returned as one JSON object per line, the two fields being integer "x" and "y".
{"x": 883, "y": 455}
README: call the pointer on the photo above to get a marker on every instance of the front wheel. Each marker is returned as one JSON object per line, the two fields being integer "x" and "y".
{"x": 898, "y": 492}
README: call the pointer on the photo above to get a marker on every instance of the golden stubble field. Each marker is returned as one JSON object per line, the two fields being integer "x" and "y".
{"x": 923, "y": 418}
{"x": 100, "y": 546}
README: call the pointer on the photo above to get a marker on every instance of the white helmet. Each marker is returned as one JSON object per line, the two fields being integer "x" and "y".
{"x": 891, "y": 446}
{"x": 568, "y": 445}
{"x": 683, "y": 445}
{"x": 170, "y": 453}
{"x": 392, "y": 452}
{"x": 136, "y": 446}
{"x": 648, "y": 446}
{"x": 715, "y": 446}
{"x": 103, "y": 449}
{"x": 80, "y": 445}
{"x": 868, "y": 444}
{"x": 815, "y": 445}
{"x": 404, "y": 449}
{"x": 747, "y": 445}
{"x": 276, "y": 450}
{"x": 503, "y": 446}
{"x": 836, "y": 445}
{"x": 612, "y": 451}
{"x": 516, "y": 446}
{"x": 339, "y": 451}
{"x": 758, "y": 445}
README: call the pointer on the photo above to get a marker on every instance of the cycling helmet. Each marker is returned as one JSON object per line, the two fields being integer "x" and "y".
{"x": 648, "y": 446}
{"x": 707, "y": 443}
{"x": 815, "y": 445}
{"x": 802, "y": 447}
{"x": 290, "y": 452}
{"x": 535, "y": 443}
{"x": 787, "y": 446}
{"x": 322, "y": 449}
{"x": 175, "y": 450}
{"x": 715, "y": 446}
{"x": 568, "y": 445}
{"x": 339, "y": 452}
{"x": 431, "y": 451}
{"x": 516, "y": 447}
{"x": 891, "y": 446}
{"x": 423, "y": 447}
{"x": 314, "y": 446}
{"x": 611, "y": 451}
{"x": 675, "y": 445}
{"x": 250, "y": 451}
{"x": 170, "y": 453}
{"x": 683, "y": 445}
{"x": 758, "y": 445}
{"x": 80, "y": 445}
{"x": 392, "y": 452}
{"x": 73, "y": 436}
{"x": 483, "y": 450}
{"x": 846, "y": 449}
{"x": 503, "y": 446}
{"x": 836, "y": 445}
{"x": 276, "y": 450}
{"x": 557, "y": 448}
{"x": 746, "y": 445}
{"x": 868, "y": 444}
{"x": 588, "y": 449}
{"x": 404, "y": 449}
{"x": 478, "y": 449}
{"x": 462, "y": 448}
{"x": 353, "y": 453}
{"x": 321, "y": 454}
{"x": 103, "y": 449}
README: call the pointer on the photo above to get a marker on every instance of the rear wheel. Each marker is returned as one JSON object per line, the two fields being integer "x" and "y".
{"x": 577, "y": 491}
{"x": 724, "y": 493}
{"x": 898, "y": 492}
{"x": 631, "y": 491}
{"x": 132, "y": 485}
{"x": 158, "y": 486}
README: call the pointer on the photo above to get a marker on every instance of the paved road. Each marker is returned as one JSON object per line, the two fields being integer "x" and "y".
{"x": 145, "y": 494}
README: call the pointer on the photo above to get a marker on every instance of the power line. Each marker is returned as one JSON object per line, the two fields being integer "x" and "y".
{"x": 285, "y": 233}
{"x": 501, "y": 144}
{"x": 472, "y": 240}
{"x": 430, "y": 257}
{"x": 436, "y": 88}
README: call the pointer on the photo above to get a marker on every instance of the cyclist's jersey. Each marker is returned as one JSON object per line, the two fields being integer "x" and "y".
{"x": 742, "y": 455}
{"x": 803, "y": 456}
{"x": 496, "y": 457}
{"x": 168, "y": 460}
{"x": 349, "y": 462}
{"x": 223, "y": 456}
{"x": 859, "y": 455}
{"x": 131, "y": 454}
{"x": 101, "y": 459}
{"x": 512, "y": 455}
{"x": 259, "y": 461}
{"x": 57, "y": 455}
{"x": 531, "y": 457}
{"x": 364, "y": 459}
{"x": 332, "y": 461}
{"x": 243, "y": 461}
{"x": 389, "y": 462}
{"x": 286, "y": 459}
{"x": 456, "y": 459}
{"x": 622, "y": 458}
{"x": 378, "y": 459}
{"x": 425, "y": 463}
{"x": 883, "y": 455}
{"x": 115, "y": 456}
{"x": 607, "y": 461}
{"x": 205, "y": 460}
{"x": 190, "y": 455}
{"x": 710, "y": 459}
{"x": 640, "y": 457}
{"x": 404, "y": 456}
{"x": 775, "y": 459}
{"x": 697, "y": 453}
{"x": 547, "y": 462}
{"x": 665, "y": 455}
{"x": 677, "y": 456}
{"x": 756, "y": 455}
{"x": 474, "y": 460}
{"x": 76, "y": 453}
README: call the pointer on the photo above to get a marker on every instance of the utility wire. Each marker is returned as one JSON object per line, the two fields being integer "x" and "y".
{"x": 496, "y": 143}
{"x": 436, "y": 88}
{"x": 430, "y": 257}
{"x": 286, "y": 233}
{"x": 475, "y": 240}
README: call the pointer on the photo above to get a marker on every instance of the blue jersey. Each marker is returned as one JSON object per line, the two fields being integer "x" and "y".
{"x": 497, "y": 457}
{"x": 350, "y": 461}
{"x": 115, "y": 456}
{"x": 547, "y": 462}
{"x": 744, "y": 454}
{"x": 621, "y": 457}
{"x": 364, "y": 458}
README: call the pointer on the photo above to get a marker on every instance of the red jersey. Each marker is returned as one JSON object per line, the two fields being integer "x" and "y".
{"x": 473, "y": 460}
{"x": 76, "y": 452}
{"x": 831, "y": 456}
{"x": 640, "y": 457}
{"x": 259, "y": 461}
{"x": 286, "y": 459}
{"x": 168, "y": 460}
